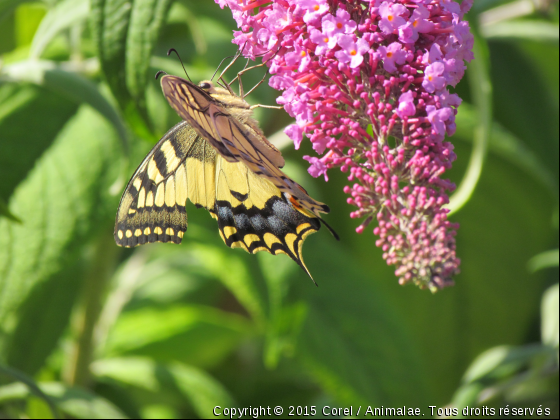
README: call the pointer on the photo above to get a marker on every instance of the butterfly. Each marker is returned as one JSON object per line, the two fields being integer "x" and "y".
{"x": 219, "y": 159}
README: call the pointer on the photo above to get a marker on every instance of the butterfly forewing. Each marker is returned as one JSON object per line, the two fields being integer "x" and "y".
{"x": 234, "y": 140}
{"x": 152, "y": 207}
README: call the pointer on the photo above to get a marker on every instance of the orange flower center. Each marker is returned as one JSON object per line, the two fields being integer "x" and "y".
{"x": 389, "y": 54}
{"x": 353, "y": 52}
{"x": 303, "y": 53}
{"x": 316, "y": 7}
{"x": 339, "y": 25}
{"x": 390, "y": 18}
{"x": 415, "y": 23}
{"x": 326, "y": 39}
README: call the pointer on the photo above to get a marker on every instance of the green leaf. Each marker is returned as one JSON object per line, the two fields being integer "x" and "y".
{"x": 64, "y": 200}
{"x": 467, "y": 396}
{"x": 74, "y": 402}
{"x": 233, "y": 271}
{"x": 507, "y": 146}
{"x": 528, "y": 110}
{"x": 203, "y": 391}
{"x": 501, "y": 362}
{"x": 41, "y": 322}
{"x": 549, "y": 317}
{"x": 5, "y": 211}
{"x": 180, "y": 13}
{"x": 8, "y": 5}
{"x": 27, "y": 19}
{"x": 109, "y": 21}
{"x": 544, "y": 260}
{"x": 146, "y": 20}
{"x": 61, "y": 16}
{"x": 65, "y": 83}
{"x": 21, "y": 106}
{"x": 534, "y": 30}
{"x": 196, "y": 335}
{"x": 31, "y": 386}
{"x": 353, "y": 342}
{"x": 285, "y": 319}
{"x": 125, "y": 33}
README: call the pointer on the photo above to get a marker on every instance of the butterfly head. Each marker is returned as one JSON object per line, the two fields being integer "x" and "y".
{"x": 209, "y": 87}
{"x": 226, "y": 98}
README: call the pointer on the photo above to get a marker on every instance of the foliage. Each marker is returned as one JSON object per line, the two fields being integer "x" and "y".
{"x": 89, "y": 330}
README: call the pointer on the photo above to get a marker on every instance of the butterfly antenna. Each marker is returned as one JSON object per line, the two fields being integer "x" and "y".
{"x": 175, "y": 51}
{"x": 159, "y": 73}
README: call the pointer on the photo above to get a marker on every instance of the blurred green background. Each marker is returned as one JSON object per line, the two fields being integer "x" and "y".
{"x": 90, "y": 330}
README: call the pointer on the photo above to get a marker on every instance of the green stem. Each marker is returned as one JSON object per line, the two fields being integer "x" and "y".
{"x": 32, "y": 386}
{"x": 94, "y": 291}
{"x": 481, "y": 89}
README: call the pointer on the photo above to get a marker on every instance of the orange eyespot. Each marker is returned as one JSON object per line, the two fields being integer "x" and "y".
{"x": 303, "y": 53}
{"x": 295, "y": 203}
{"x": 316, "y": 7}
{"x": 353, "y": 52}
{"x": 339, "y": 25}
{"x": 389, "y": 54}
{"x": 390, "y": 18}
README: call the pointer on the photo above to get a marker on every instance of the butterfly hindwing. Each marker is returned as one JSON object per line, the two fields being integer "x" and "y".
{"x": 254, "y": 215}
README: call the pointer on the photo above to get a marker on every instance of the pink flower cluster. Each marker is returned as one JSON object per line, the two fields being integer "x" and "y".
{"x": 366, "y": 81}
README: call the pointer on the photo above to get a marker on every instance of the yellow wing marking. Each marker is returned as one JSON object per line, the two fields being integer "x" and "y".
{"x": 270, "y": 239}
{"x": 141, "y": 198}
{"x": 171, "y": 158}
{"x": 170, "y": 192}
{"x": 160, "y": 196}
{"x": 229, "y": 231}
{"x": 150, "y": 199}
{"x": 290, "y": 238}
{"x": 153, "y": 172}
{"x": 302, "y": 227}
{"x": 250, "y": 238}
{"x": 181, "y": 185}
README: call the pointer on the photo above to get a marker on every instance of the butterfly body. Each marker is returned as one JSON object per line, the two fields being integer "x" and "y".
{"x": 219, "y": 159}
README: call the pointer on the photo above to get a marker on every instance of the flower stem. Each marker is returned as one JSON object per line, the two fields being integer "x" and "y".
{"x": 103, "y": 262}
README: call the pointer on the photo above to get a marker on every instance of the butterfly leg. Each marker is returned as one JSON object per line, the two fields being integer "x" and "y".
{"x": 266, "y": 106}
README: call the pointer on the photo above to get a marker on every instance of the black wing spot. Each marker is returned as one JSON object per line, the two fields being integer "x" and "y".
{"x": 239, "y": 196}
